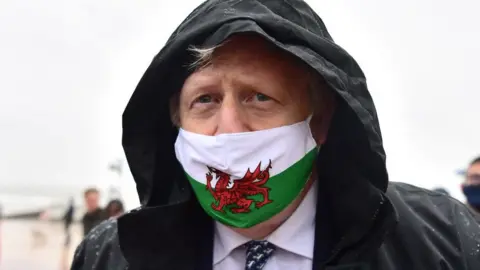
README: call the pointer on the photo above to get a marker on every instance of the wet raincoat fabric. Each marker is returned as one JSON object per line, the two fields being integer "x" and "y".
{"x": 363, "y": 222}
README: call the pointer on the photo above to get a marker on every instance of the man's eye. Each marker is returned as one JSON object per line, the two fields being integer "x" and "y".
{"x": 204, "y": 99}
{"x": 262, "y": 97}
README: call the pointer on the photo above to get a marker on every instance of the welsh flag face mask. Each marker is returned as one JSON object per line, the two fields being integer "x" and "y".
{"x": 243, "y": 179}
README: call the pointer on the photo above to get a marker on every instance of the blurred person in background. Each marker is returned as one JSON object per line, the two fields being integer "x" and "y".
{"x": 68, "y": 220}
{"x": 270, "y": 157}
{"x": 471, "y": 185}
{"x": 114, "y": 208}
{"x": 94, "y": 215}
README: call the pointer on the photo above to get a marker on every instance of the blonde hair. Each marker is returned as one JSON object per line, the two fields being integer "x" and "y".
{"x": 202, "y": 56}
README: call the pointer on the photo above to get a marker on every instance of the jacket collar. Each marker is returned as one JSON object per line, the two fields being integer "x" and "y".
{"x": 177, "y": 236}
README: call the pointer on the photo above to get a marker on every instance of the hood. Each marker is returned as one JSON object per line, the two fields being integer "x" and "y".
{"x": 351, "y": 163}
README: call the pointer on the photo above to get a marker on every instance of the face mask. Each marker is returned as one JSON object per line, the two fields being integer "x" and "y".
{"x": 472, "y": 192}
{"x": 243, "y": 179}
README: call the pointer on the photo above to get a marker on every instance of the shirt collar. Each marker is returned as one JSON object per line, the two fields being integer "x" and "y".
{"x": 225, "y": 241}
{"x": 295, "y": 235}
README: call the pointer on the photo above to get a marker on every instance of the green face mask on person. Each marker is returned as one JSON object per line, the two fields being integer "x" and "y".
{"x": 243, "y": 179}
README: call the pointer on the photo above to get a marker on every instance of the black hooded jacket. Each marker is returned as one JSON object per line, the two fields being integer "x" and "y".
{"x": 372, "y": 224}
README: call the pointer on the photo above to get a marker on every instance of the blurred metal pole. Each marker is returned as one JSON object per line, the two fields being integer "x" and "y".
{"x": 114, "y": 189}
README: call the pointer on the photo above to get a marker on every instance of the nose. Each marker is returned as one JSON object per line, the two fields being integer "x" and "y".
{"x": 231, "y": 118}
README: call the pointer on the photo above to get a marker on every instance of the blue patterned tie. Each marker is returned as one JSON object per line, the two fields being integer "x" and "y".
{"x": 258, "y": 253}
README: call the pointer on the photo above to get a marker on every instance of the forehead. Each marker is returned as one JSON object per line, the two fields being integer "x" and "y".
{"x": 91, "y": 194}
{"x": 474, "y": 168}
{"x": 252, "y": 47}
{"x": 246, "y": 55}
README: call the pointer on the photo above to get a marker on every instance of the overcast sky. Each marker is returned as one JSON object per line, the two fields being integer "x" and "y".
{"x": 68, "y": 68}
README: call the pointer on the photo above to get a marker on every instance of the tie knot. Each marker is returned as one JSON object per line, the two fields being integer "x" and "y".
{"x": 258, "y": 253}
{"x": 259, "y": 244}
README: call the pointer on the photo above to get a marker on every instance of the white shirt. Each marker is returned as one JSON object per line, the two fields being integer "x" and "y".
{"x": 294, "y": 241}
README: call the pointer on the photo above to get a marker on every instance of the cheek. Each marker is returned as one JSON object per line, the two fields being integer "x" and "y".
{"x": 199, "y": 126}
{"x": 281, "y": 116}
{"x": 297, "y": 112}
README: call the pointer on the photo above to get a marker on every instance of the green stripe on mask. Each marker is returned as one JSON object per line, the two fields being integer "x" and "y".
{"x": 282, "y": 189}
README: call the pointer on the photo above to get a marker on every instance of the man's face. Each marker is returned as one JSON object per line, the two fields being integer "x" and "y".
{"x": 91, "y": 201}
{"x": 473, "y": 174}
{"x": 249, "y": 85}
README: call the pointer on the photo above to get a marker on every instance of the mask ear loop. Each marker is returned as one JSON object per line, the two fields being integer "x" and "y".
{"x": 308, "y": 121}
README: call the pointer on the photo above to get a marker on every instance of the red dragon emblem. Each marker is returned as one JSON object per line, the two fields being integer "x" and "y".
{"x": 236, "y": 195}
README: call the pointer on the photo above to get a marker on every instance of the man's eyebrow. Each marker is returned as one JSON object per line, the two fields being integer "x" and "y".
{"x": 246, "y": 85}
{"x": 200, "y": 83}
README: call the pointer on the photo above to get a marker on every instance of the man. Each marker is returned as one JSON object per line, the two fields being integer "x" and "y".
{"x": 471, "y": 186}
{"x": 255, "y": 144}
{"x": 68, "y": 219}
{"x": 94, "y": 214}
